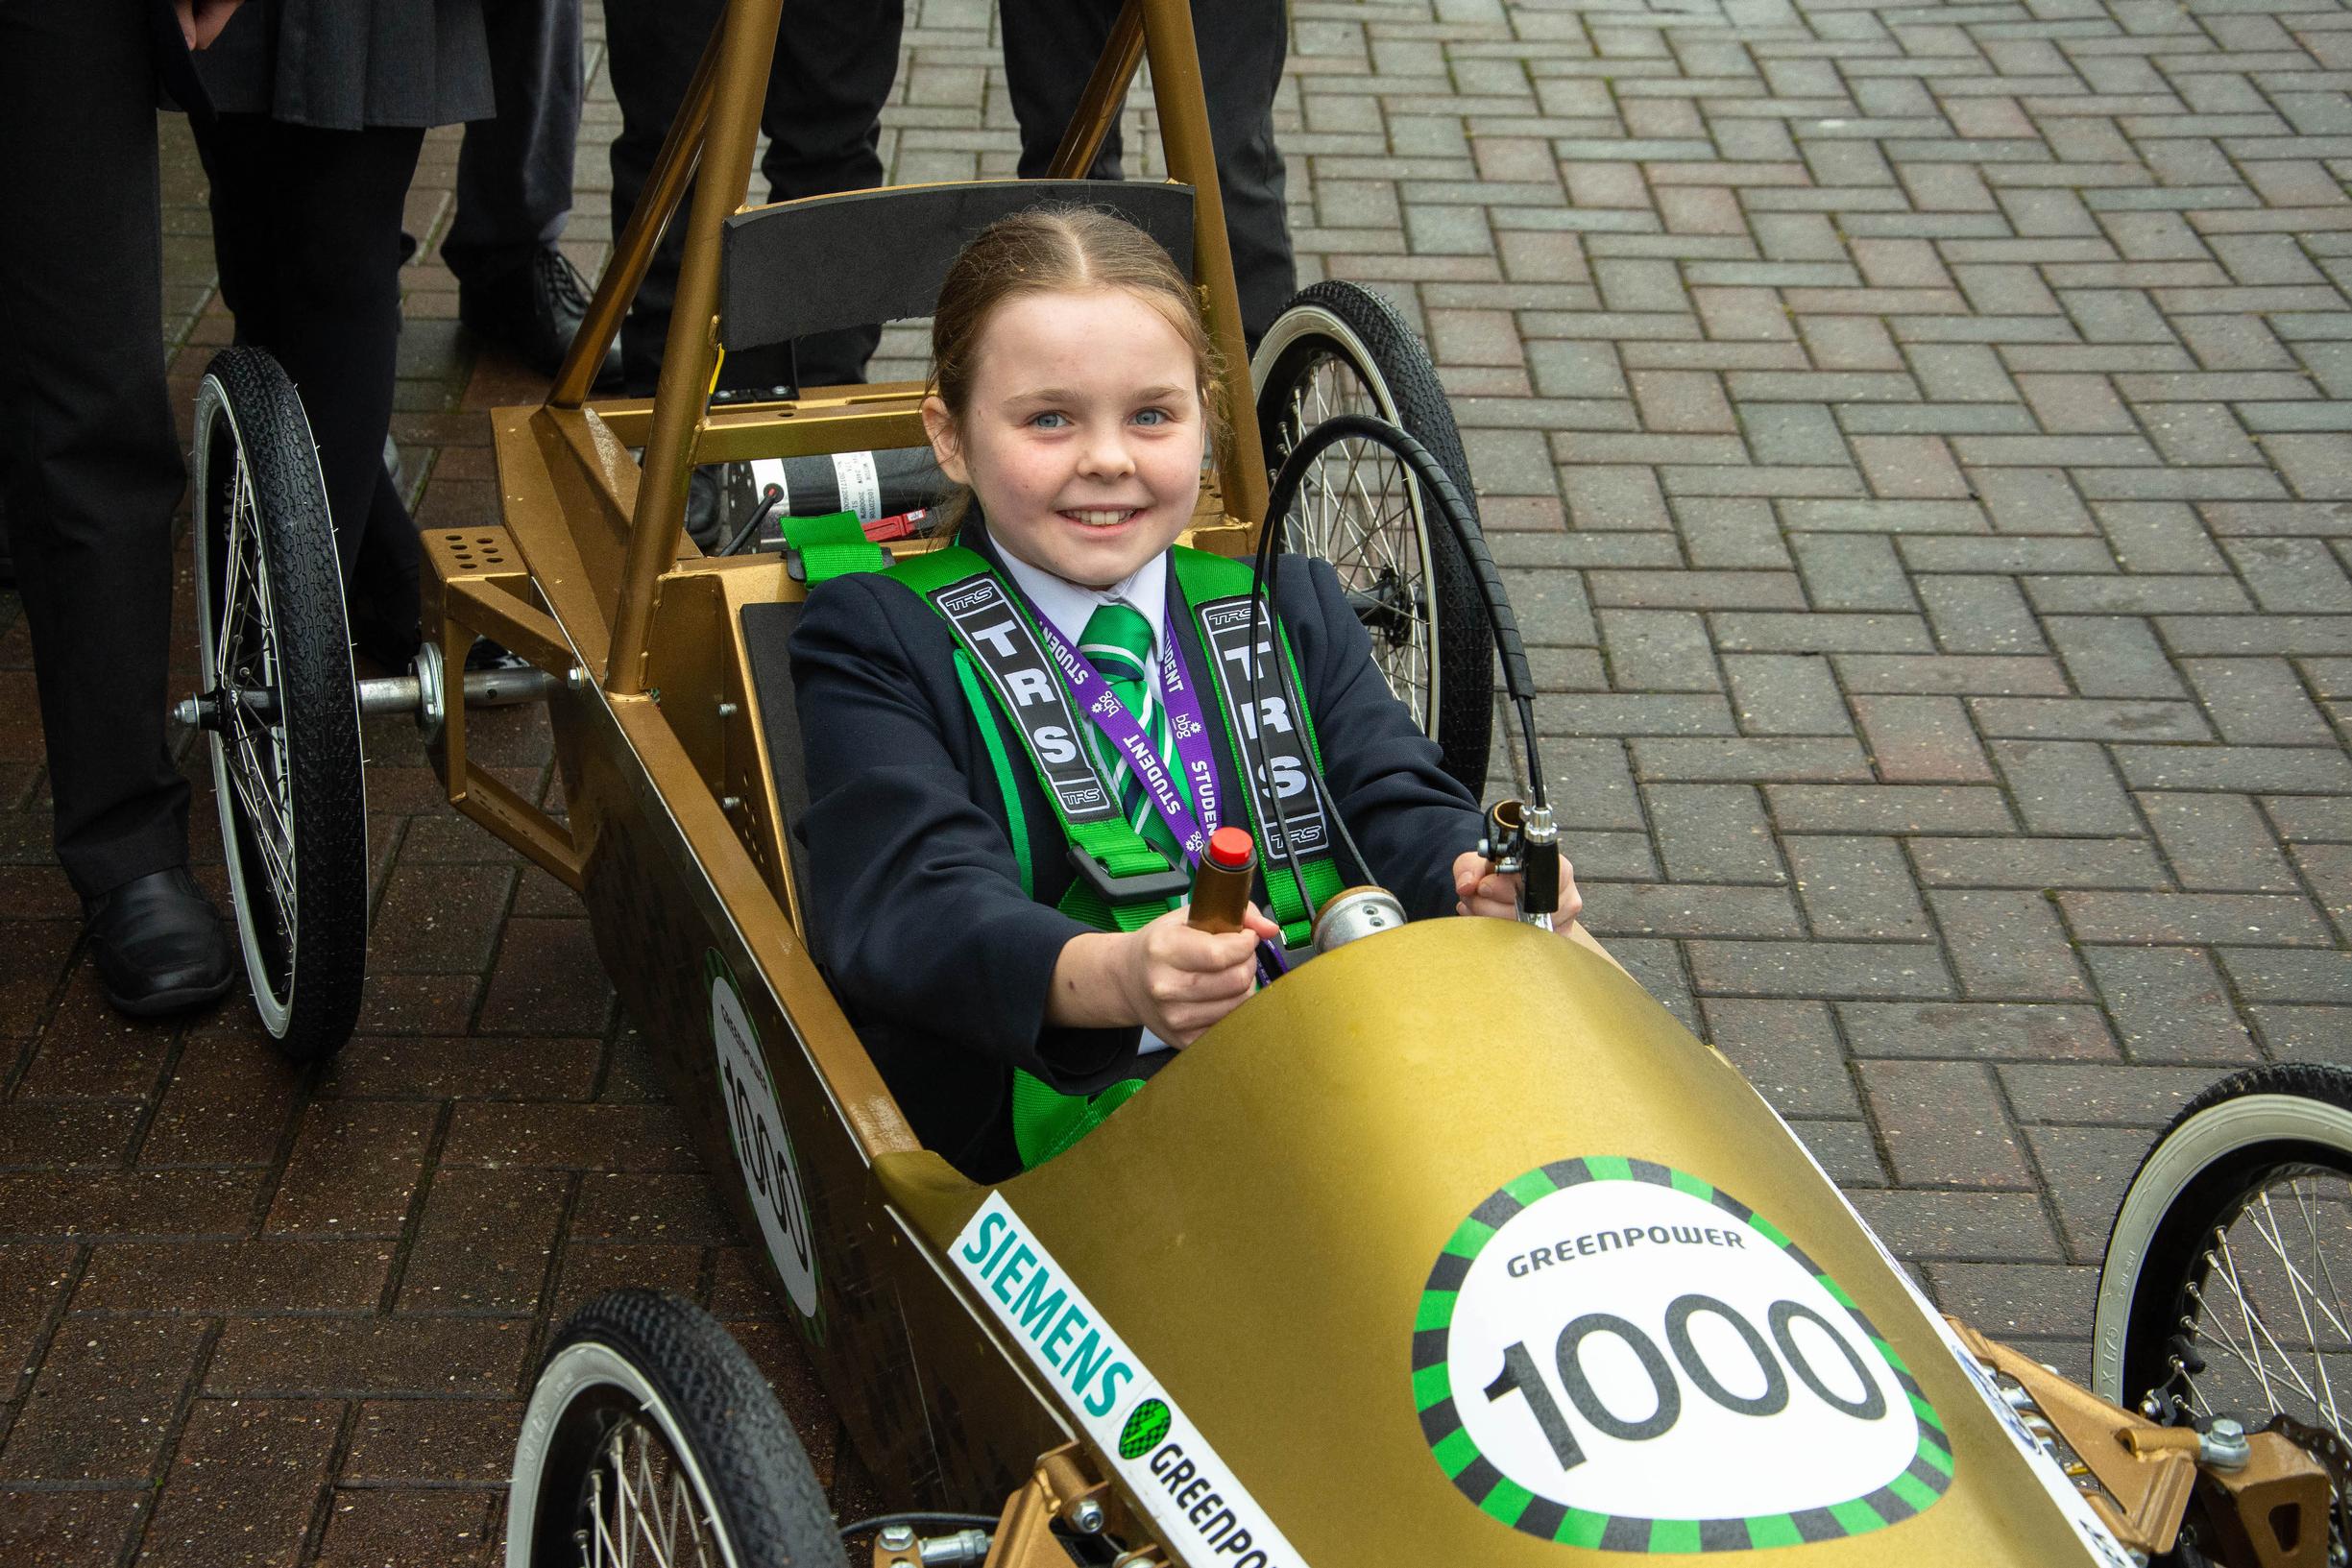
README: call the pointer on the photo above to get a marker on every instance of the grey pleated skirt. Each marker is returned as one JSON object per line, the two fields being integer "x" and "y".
{"x": 345, "y": 64}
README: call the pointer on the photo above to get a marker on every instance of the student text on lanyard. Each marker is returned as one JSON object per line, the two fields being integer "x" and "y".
{"x": 1186, "y": 727}
{"x": 1181, "y": 697}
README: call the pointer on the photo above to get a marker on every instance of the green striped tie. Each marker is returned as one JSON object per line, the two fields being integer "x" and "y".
{"x": 1118, "y": 642}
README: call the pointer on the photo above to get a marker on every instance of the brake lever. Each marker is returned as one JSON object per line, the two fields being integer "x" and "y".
{"x": 1526, "y": 840}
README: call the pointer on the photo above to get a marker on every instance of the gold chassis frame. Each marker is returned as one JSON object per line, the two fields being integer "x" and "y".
{"x": 600, "y": 530}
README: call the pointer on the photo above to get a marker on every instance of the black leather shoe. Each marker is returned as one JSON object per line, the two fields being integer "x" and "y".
{"x": 161, "y": 946}
{"x": 534, "y": 310}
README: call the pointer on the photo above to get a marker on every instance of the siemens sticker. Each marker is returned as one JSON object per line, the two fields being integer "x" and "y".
{"x": 1613, "y": 1354}
{"x": 1195, "y": 1502}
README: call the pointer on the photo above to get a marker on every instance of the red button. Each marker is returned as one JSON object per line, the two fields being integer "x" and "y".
{"x": 1230, "y": 849}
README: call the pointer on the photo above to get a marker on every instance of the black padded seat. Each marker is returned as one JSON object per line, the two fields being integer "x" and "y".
{"x": 767, "y": 633}
{"x": 824, "y": 262}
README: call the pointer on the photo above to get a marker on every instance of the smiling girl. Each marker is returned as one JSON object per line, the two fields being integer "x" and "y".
{"x": 1007, "y": 739}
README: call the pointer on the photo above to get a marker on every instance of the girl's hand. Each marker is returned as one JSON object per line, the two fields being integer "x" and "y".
{"x": 1177, "y": 981}
{"x": 1482, "y": 890}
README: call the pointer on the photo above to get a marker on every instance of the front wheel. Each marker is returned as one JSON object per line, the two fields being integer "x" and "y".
{"x": 652, "y": 1441}
{"x": 278, "y": 707}
{"x": 2223, "y": 1289}
{"x": 1341, "y": 349}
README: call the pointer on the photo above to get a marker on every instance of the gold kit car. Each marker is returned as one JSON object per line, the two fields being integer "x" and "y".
{"x": 1354, "y": 1281}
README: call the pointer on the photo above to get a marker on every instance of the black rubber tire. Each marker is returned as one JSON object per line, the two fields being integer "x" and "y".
{"x": 2250, "y": 1128}
{"x": 655, "y": 1356}
{"x": 248, "y": 421}
{"x": 1334, "y": 329}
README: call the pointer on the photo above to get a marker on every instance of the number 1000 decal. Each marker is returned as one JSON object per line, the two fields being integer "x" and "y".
{"x": 1614, "y": 1354}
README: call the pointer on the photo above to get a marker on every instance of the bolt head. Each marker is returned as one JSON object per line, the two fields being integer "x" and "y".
{"x": 897, "y": 1537}
{"x": 2226, "y": 1428}
{"x": 1087, "y": 1516}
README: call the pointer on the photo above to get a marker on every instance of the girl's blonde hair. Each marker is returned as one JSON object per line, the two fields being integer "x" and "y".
{"x": 1055, "y": 249}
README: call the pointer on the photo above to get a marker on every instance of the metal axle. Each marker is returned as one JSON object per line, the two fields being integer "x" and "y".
{"x": 414, "y": 693}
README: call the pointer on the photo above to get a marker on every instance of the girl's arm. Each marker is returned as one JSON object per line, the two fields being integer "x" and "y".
{"x": 1174, "y": 981}
{"x": 916, "y": 909}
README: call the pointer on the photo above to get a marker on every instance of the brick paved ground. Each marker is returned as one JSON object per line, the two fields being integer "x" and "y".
{"x": 1921, "y": 439}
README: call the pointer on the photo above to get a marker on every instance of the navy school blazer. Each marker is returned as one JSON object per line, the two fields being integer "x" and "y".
{"x": 914, "y": 898}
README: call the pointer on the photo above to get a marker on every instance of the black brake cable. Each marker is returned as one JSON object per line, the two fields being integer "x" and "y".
{"x": 1261, "y": 609}
{"x": 884, "y": 1521}
{"x": 1437, "y": 484}
{"x": 766, "y": 509}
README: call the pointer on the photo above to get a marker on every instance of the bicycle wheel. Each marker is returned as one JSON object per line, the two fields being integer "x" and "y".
{"x": 2222, "y": 1291}
{"x": 1341, "y": 349}
{"x": 278, "y": 705}
{"x": 651, "y": 1442}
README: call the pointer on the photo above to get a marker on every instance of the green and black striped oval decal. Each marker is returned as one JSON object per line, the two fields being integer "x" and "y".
{"x": 1910, "y": 1491}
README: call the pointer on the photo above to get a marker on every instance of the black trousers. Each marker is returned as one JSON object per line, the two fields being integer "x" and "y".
{"x": 306, "y": 229}
{"x": 514, "y": 172}
{"x": 836, "y": 60}
{"x": 88, "y": 461}
{"x": 1050, "y": 50}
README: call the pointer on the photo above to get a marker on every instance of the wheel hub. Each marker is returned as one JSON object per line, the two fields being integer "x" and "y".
{"x": 212, "y": 709}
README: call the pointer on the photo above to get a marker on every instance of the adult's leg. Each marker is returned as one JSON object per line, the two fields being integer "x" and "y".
{"x": 1050, "y": 47}
{"x": 834, "y": 68}
{"x": 1241, "y": 43}
{"x": 88, "y": 455}
{"x": 652, "y": 47}
{"x": 834, "y": 65}
{"x": 314, "y": 222}
{"x": 241, "y": 191}
{"x": 1049, "y": 50}
{"x": 514, "y": 172}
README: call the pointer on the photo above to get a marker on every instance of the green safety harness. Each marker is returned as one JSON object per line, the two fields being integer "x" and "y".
{"x": 1121, "y": 881}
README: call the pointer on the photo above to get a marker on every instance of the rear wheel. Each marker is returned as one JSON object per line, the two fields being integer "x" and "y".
{"x": 278, "y": 704}
{"x": 1341, "y": 349}
{"x": 651, "y": 1442}
{"x": 2223, "y": 1289}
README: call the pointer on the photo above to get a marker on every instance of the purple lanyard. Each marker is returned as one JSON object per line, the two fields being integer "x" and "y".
{"x": 1180, "y": 696}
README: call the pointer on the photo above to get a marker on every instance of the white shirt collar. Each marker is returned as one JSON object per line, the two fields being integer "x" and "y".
{"x": 1069, "y": 607}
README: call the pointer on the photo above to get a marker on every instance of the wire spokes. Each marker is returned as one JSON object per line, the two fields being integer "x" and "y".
{"x": 255, "y": 765}
{"x": 2262, "y": 1311}
{"x": 1361, "y": 511}
{"x": 640, "y": 1508}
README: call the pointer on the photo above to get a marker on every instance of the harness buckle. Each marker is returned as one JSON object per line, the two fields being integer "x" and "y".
{"x": 1175, "y": 883}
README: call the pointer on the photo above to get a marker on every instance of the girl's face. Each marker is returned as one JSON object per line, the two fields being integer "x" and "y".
{"x": 1083, "y": 437}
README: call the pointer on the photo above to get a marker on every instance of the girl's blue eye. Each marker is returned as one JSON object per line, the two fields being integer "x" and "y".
{"x": 1050, "y": 421}
{"x": 1151, "y": 415}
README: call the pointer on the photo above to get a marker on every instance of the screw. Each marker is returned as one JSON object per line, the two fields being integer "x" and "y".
{"x": 2224, "y": 1446}
{"x": 897, "y": 1537}
{"x": 1086, "y": 1518}
{"x": 728, "y": 709}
